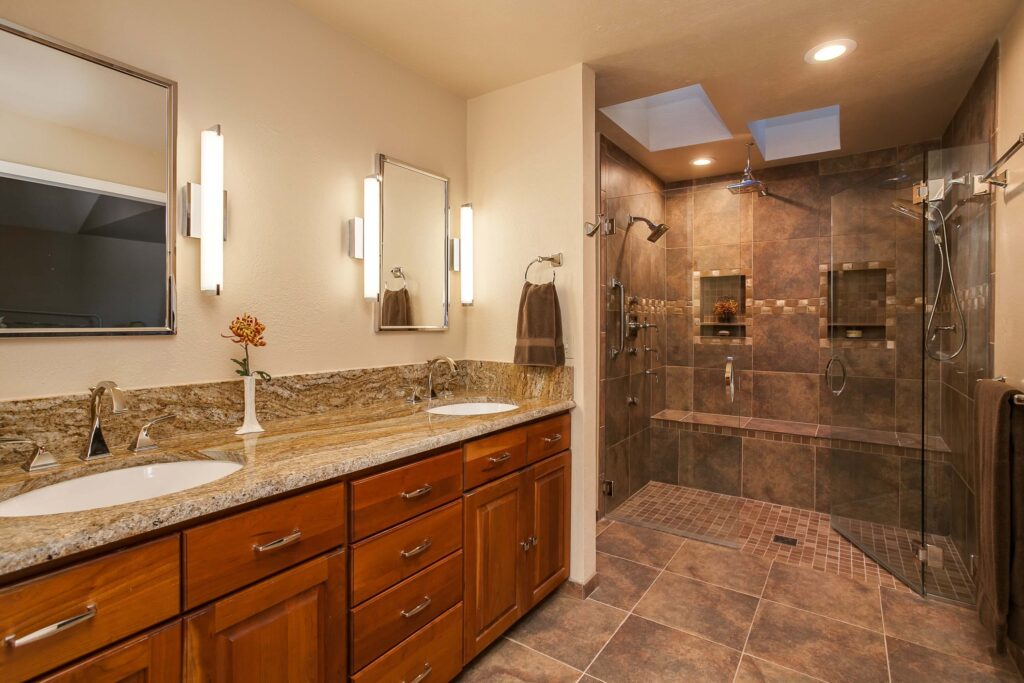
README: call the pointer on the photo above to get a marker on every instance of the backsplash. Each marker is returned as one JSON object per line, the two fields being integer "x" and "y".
{"x": 61, "y": 423}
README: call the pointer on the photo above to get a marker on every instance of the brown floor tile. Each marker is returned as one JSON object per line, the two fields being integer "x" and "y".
{"x": 946, "y": 628}
{"x": 721, "y": 566}
{"x": 829, "y": 595}
{"x": 588, "y": 679}
{"x": 508, "y": 662}
{"x": 571, "y": 631}
{"x": 817, "y": 646}
{"x": 717, "y": 614}
{"x": 909, "y": 662}
{"x": 754, "y": 670}
{"x": 622, "y": 583}
{"x": 645, "y": 546}
{"x": 603, "y": 524}
{"x": 642, "y": 650}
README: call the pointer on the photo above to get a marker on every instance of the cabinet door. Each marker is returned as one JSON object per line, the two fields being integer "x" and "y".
{"x": 546, "y": 563}
{"x": 290, "y": 627}
{"x": 494, "y": 537}
{"x": 152, "y": 658}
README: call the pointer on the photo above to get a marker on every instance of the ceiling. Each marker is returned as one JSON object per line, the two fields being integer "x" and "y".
{"x": 913, "y": 65}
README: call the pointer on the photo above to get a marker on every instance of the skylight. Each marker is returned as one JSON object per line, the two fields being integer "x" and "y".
{"x": 677, "y": 118}
{"x": 794, "y": 135}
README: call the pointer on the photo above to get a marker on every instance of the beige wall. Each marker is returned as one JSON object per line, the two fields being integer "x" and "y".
{"x": 531, "y": 180}
{"x": 304, "y": 110}
{"x": 1009, "y": 225}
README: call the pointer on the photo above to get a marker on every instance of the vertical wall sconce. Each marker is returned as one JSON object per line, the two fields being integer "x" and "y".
{"x": 205, "y": 211}
{"x": 371, "y": 237}
{"x": 466, "y": 253}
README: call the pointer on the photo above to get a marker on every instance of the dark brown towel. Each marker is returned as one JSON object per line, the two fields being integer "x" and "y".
{"x": 395, "y": 308}
{"x": 539, "y": 330}
{"x": 999, "y": 448}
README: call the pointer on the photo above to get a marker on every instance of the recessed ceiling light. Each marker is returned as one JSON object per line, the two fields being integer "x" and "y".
{"x": 702, "y": 161}
{"x": 833, "y": 49}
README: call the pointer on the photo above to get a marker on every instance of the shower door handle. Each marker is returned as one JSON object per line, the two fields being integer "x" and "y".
{"x": 828, "y": 375}
{"x": 615, "y": 284}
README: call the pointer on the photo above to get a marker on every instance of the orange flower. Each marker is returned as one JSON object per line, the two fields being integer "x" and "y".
{"x": 246, "y": 330}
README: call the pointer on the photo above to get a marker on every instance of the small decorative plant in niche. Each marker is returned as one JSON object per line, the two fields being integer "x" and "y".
{"x": 247, "y": 331}
{"x": 726, "y": 310}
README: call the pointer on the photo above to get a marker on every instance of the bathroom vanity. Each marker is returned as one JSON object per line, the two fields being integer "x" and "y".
{"x": 403, "y": 568}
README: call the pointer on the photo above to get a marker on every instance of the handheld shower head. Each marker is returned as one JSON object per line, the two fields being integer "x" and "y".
{"x": 749, "y": 183}
{"x": 657, "y": 229}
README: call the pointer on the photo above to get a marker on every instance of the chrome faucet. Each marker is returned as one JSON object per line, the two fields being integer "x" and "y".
{"x": 730, "y": 378}
{"x": 41, "y": 459}
{"x": 97, "y": 445}
{"x": 453, "y": 368}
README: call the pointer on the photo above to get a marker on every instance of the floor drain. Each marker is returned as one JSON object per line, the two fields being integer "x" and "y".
{"x": 784, "y": 540}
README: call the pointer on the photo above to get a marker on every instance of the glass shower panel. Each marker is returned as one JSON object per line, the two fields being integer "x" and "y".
{"x": 872, "y": 368}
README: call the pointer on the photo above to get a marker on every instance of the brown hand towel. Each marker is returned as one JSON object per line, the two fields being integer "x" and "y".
{"x": 539, "y": 330}
{"x": 395, "y": 308}
{"x": 999, "y": 449}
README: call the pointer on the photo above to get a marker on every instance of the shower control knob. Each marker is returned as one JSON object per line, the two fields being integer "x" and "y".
{"x": 632, "y": 400}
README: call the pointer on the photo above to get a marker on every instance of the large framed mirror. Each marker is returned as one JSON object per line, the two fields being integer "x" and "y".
{"x": 86, "y": 192}
{"x": 414, "y": 252}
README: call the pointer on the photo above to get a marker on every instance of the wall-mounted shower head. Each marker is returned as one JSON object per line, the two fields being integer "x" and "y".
{"x": 749, "y": 183}
{"x": 657, "y": 229}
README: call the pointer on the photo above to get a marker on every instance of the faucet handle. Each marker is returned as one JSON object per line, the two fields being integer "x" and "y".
{"x": 143, "y": 442}
{"x": 41, "y": 458}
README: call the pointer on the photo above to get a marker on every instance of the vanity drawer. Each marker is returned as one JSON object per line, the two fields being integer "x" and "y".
{"x": 233, "y": 552}
{"x": 385, "y": 499}
{"x": 387, "y": 558}
{"x": 548, "y": 437}
{"x": 386, "y": 620}
{"x": 436, "y": 651}
{"x": 97, "y": 602}
{"x": 494, "y": 456}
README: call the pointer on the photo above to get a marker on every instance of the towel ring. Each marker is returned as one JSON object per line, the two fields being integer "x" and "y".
{"x": 555, "y": 261}
{"x": 396, "y": 273}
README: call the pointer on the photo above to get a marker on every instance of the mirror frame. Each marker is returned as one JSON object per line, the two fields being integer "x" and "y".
{"x": 170, "y": 325}
{"x": 382, "y": 160}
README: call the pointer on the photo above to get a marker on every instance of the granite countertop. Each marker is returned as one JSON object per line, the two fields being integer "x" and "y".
{"x": 291, "y": 454}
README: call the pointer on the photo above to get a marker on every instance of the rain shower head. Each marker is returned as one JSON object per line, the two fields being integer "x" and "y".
{"x": 657, "y": 229}
{"x": 749, "y": 183}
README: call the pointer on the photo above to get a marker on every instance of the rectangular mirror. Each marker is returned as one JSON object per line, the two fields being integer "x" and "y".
{"x": 86, "y": 192}
{"x": 414, "y": 248}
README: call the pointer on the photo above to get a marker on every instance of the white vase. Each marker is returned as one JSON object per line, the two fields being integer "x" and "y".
{"x": 251, "y": 425}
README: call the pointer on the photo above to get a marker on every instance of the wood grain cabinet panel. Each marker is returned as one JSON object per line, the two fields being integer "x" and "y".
{"x": 383, "y": 560}
{"x": 151, "y": 658}
{"x": 238, "y": 550}
{"x": 384, "y": 621}
{"x": 290, "y": 627}
{"x": 99, "y": 602}
{"x": 547, "y": 437}
{"x": 547, "y": 562}
{"x": 494, "y": 456}
{"x": 383, "y": 500}
{"x": 433, "y": 655}
{"x": 495, "y": 533}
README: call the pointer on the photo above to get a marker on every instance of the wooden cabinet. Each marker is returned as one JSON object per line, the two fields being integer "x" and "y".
{"x": 433, "y": 655}
{"x": 516, "y": 548}
{"x": 290, "y": 627}
{"x": 548, "y": 437}
{"x": 492, "y": 457}
{"x": 151, "y": 658}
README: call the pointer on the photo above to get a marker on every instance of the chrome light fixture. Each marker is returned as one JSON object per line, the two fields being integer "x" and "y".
{"x": 371, "y": 237}
{"x": 466, "y": 253}
{"x": 206, "y": 211}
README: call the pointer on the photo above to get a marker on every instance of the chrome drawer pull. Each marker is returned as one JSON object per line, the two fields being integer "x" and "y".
{"x": 13, "y": 641}
{"x": 497, "y": 459}
{"x": 418, "y": 608}
{"x": 554, "y": 438}
{"x": 422, "y": 547}
{"x": 422, "y": 491}
{"x": 279, "y": 543}
{"x": 426, "y": 672}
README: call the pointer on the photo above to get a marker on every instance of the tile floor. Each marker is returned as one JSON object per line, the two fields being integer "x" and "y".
{"x": 674, "y": 609}
{"x": 751, "y": 525}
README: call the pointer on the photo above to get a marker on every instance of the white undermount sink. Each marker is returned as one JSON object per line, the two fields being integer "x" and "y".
{"x": 115, "y": 487}
{"x": 472, "y": 408}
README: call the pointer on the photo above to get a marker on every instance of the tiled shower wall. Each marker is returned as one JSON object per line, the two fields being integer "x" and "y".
{"x": 971, "y": 139}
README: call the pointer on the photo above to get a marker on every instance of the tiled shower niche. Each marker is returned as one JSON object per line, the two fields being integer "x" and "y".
{"x": 858, "y": 294}
{"x": 714, "y": 288}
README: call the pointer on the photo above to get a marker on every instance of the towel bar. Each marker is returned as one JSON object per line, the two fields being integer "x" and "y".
{"x": 555, "y": 260}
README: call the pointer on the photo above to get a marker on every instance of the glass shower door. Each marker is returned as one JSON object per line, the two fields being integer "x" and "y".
{"x": 872, "y": 367}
